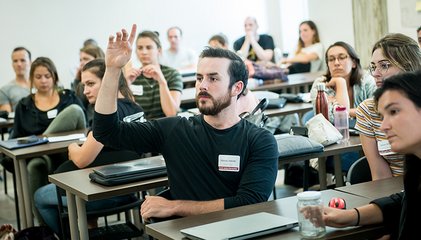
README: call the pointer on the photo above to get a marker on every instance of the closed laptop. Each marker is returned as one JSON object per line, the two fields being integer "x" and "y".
{"x": 244, "y": 227}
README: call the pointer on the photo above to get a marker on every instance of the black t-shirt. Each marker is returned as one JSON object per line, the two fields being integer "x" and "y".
{"x": 265, "y": 41}
{"x": 196, "y": 155}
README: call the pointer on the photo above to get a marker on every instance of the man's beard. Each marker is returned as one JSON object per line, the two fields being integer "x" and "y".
{"x": 217, "y": 105}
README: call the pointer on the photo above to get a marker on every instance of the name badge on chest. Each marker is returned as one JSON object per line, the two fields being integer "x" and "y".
{"x": 229, "y": 163}
{"x": 384, "y": 148}
{"x": 137, "y": 89}
{"x": 52, "y": 113}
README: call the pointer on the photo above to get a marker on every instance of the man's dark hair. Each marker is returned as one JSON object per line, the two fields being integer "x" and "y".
{"x": 237, "y": 69}
{"x": 419, "y": 29}
{"x": 23, "y": 49}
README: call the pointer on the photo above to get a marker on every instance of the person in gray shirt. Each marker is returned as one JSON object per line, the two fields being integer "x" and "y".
{"x": 15, "y": 90}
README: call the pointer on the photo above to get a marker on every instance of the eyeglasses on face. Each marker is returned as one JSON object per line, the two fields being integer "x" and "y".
{"x": 341, "y": 58}
{"x": 382, "y": 67}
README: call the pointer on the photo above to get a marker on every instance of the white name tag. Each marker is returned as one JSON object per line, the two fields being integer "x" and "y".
{"x": 137, "y": 89}
{"x": 229, "y": 163}
{"x": 384, "y": 148}
{"x": 52, "y": 113}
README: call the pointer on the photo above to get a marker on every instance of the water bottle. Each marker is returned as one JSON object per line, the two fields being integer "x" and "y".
{"x": 321, "y": 101}
{"x": 313, "y": 200}
{"x": 342, "y": 122}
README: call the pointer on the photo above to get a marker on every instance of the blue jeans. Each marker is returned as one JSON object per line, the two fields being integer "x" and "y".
{"x": 47, "y": 204}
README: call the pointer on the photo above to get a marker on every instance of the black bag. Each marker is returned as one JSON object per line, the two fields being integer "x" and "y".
{"x": 294, "y": 173}
{"x": 268, "y": 73}
{"x": 259, "y": 119}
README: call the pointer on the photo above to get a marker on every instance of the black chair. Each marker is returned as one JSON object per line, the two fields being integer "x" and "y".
{"x": 359, "y": 172}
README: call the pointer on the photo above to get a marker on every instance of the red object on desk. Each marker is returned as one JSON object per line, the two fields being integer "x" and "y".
{"x": 337, "y": 202}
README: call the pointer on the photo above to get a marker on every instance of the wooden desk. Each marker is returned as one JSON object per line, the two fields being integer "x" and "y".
{"x": 19, "y": 157}
{"x": 352, "y": 145}
{"x": 294, "y": 83}
{"x": 79, "y": 189}
{"x": 284, "y": 207}
{"x": 375, "y": 189}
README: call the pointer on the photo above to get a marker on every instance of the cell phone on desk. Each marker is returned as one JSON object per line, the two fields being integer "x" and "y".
{"x": 27, "y": 140}
{"x": 295, "y": 130}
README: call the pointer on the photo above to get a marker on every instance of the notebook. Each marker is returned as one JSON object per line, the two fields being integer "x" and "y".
{"x": 244, "y": 227}
{"x": 131, "y": 171}
{"x": 23, "y": 142}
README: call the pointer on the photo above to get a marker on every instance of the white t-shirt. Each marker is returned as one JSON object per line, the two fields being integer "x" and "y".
{"x": 184, "y": 57}
{"x": 316, "y": 65}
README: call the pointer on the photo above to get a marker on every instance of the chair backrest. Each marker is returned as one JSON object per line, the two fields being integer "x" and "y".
{"x": 359, "y": 171}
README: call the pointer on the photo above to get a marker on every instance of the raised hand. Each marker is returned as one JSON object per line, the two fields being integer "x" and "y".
{"x": 119, "y": 49}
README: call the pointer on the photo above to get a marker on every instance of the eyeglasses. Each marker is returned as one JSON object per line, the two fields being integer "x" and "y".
{"x": 383, "y": 67}
{"x": 341, "y": 58}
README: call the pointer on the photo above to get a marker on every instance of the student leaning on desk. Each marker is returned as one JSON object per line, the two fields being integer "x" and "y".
{"x": 215, "y": 160}
{"x": 399, "y": 103}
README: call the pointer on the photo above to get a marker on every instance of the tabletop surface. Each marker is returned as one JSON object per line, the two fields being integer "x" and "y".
{"x": 284, "y": 207}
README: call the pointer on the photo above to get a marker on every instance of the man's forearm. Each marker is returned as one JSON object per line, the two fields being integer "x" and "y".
{"x": 187, "y": 208}
{"x": 107, "y": 97}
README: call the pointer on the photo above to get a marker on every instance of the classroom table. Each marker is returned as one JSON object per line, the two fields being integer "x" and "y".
{"x": 354, "y": 144}
{"x": 79, "y": 189}
{"x": 294, "y": 83}
{"x": 375, "y": 189}
{"x": 19, "y": 157}
{"x": 285, "y": 207}
{"x": 289, "y": 108}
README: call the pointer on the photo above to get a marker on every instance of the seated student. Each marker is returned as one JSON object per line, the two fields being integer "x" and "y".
{"x": 91, "y": 153}
{"x": 215, "y": 160}
{"x": 48, "y": 110}
{"x": 178, "y": 56}
{"x": 157, "y": 88}
{"x": 308, "y": 56}
{"x": 347, "y": 84}
{"x": 15, "y": 90}
{"x": 219, "y": 40}
{"x": 86, "y": 54}
{"x": 394, "y": 53}
{"x": 254, "y": 47}
{"x": 399, "y": 104}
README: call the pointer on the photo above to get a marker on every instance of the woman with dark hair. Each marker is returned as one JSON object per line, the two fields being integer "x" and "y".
{"x": 399, "y": 104}
{"x": 347, "y": 84}
{"x": 47, "y": 110}
{"x": 309, "y": 53}
{"x": 91, "y": 153}
{"x": 157, "y": 88}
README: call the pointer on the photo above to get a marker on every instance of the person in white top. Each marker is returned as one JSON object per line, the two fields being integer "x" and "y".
{"x": 177, "y": 56}
{"x": 15, "y": 90}
{"x": 308, "y": 56}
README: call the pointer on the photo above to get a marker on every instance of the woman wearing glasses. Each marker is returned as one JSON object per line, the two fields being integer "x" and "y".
{"x": 346, "y": 82}
{"x": 393, "y": 54}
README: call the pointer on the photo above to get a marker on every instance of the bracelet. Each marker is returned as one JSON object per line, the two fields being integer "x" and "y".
{"x": 358, "y": 216}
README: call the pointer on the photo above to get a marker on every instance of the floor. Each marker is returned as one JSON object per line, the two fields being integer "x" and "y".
{"x": 7, "y": 204}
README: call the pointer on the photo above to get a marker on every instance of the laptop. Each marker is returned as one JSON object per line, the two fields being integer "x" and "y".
{"x": 244, "y": 227}
{"x": 131, "y": 171}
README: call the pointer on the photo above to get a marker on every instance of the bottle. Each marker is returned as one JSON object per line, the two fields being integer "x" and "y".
{"x": 321, "y": 101}
{"x": 342, "y": 122}
{"x": 307, "y": 229}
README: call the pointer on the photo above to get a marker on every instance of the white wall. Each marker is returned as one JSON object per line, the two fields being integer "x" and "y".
{"x": 395, "y": 21}
{"x": 57, "y": 28}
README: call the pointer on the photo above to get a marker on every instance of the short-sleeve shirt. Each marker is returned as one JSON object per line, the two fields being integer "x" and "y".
{"x": 316, "y": 65}
{"x": 184, "y": 57}
{"x": 265, "y": 41}
{"x": 368, "y": 123}
{"x": 12, "y": 93}
{"x": 149, "y": 97}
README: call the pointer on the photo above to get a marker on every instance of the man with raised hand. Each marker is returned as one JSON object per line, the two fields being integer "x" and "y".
{"x": 215, "y": 160}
